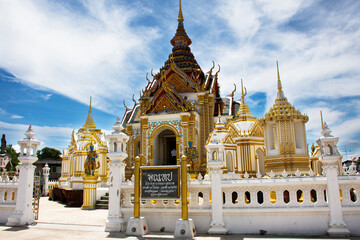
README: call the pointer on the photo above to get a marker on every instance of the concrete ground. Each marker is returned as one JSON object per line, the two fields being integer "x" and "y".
{"x": 57, "y": 221}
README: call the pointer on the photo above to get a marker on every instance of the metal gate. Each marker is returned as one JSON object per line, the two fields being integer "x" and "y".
{"x": 36, "y": 196}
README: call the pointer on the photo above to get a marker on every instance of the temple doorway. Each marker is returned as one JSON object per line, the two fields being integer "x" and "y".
{"x": 165, "y": 148}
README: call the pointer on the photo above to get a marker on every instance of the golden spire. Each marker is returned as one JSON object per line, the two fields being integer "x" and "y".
{"x": 280, "y": 93}
{"x": 89, "y": 120}
{"x": 244, "y": 111}
{"x": 322, "y": 121}
{"x": 180, "y": 17}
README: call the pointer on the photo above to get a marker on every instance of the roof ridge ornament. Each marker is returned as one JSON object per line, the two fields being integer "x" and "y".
{"x": 216, "y": 74}
{"x": 243, "y": 94}
{"x": 233, "y": 92}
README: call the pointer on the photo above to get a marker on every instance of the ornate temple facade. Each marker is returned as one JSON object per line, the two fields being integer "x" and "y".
{"x": 176, "y": 109}
{"x": 72, "y": 168}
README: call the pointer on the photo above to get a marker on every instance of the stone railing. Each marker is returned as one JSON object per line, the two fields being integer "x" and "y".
{"x": 295, "y": 192}
{"x": 349, "y": 190}
{"x": 8, "y": 194}
{"x": 52, "y": 184}
{"x": 295, "y": 199}
{"x": 8, "y": 191}
{"x": 287, "y": 192}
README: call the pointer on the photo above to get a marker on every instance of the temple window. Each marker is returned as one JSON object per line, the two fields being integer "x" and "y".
{"x": 115, "y": 147}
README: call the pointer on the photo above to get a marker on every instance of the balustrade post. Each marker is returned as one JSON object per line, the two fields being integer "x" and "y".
{"x": 23, "y": 213}
{"x": 46, "y": 171}
{"x": 115, "y": 221}
{"x": 330, "y": 158}
{"x": 217, "y": 225}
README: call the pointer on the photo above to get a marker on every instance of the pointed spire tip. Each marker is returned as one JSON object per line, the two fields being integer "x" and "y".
{"x": 180, "y": 17}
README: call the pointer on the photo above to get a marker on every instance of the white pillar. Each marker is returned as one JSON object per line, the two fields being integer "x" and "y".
{"x": 115, "y": 221}
{"x": 23, "y": 213}
{"x": 337, "y": 226}
{"x": 46, "y": 171}
{"x": 217, "y": 225}
{"x": 330, "y": 158}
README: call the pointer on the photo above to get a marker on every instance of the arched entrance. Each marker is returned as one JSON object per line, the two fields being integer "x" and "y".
{"x": 164, "y": 149}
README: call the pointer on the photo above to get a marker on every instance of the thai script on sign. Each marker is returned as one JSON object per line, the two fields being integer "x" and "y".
{"x": 160, "y": 182}
{"x": 160, "y": 177}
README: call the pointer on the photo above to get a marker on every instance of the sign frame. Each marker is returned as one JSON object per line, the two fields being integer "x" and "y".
{"x": 167, "y": 167}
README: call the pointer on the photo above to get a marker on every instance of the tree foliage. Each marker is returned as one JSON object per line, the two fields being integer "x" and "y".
{"x": 14, "y": 156}
{"x": 48, "y": 153}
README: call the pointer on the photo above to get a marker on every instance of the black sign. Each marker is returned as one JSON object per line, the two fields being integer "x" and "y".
{"x": 160, "y": 182}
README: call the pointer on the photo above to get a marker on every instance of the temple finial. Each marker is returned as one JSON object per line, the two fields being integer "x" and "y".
{"x": 322, "y": 121}
{"x": 180, "y": 17}
{"x": 280, "y": 93}
{"x": 89, "y": 123}
{"x": 278, "y": 76}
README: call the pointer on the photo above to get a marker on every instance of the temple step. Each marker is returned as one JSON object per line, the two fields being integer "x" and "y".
{"x": 103, "y": 203}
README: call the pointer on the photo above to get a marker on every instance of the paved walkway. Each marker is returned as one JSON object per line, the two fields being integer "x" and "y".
{"x": 57, "y": 221}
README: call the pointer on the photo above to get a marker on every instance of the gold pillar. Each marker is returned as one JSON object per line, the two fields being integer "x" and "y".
{"x": 89, "y": 192}
{"x": 137, "y": 188}
{"x": 143, "y": 136}
{"x": 184, "y": 207}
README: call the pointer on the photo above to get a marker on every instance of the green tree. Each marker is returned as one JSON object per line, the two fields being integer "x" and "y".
{"x": 14, "y": 156}
{"x": 48, "y": 153}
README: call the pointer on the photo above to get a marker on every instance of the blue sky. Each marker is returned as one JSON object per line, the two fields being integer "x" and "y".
{"x": 56, "y": 54}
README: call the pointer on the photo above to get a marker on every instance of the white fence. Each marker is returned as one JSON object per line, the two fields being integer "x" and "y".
{"x": 279, "y": 205}
{"x": 52, "y": 184}
{"x": 8, "y": 193}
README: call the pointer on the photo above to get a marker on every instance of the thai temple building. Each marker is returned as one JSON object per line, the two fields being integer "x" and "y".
{"x": 181, "y": 109}
{"x": 72, "y": 168}
{"x": 186, "y": 160}
{"x": 180, "y": 106}
{"x": 240, "y": 167}
{"x": 176, "y": 108}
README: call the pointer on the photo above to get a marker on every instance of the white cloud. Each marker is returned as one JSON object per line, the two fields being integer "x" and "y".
{"x": 2, "y": 111}
{"x": 46, "y": 96}
{"x": 73, "y": 53}
{"x": 16, "y": 147}
{"x": 45, "y": 134}
{"x": 16, "y": 116}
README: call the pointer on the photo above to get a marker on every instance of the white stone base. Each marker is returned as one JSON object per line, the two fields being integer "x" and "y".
{"x": 185, "y": 229}
{"x": 219, "y": 229}
{"x": 20, "y": 219}
{"x": 115, "y": 224}
{"x": 137, "y": 227}
{"x": 338, "y": 231}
